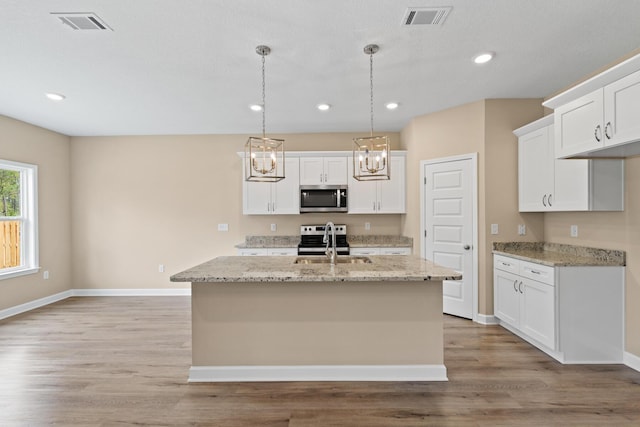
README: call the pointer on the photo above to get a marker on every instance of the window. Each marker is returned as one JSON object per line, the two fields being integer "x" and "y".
{"x": 18, "y": 219}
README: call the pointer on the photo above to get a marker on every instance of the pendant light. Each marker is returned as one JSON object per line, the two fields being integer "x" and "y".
{"x": 371, "y": 155}
{"x": 264, "y": 157}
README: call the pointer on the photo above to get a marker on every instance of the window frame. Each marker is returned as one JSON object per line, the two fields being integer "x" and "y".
{"x": 29, "y": 245}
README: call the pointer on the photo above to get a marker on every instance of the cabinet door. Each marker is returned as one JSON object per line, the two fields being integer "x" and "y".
{"x": 286, "y": 192}
{"x": 395, "y": 251}
{"x": 391, "y": 193}
{"x": 311, "y": 170}
{"x": 364, "y": 251}
{"x": 621, "y": 110}
{"x": 578, "y": 125}
{"x": 506, "y": 297}
{"x": 535, "y": 170}
{"x": 335, "y": 171}
{"x": 571, "y": 185}
{"x": 537, "y": 311}
{"x": 363, "y": 198}
{"x": 256, "y": 198}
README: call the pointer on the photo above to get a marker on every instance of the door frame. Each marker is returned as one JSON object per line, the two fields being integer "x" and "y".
{"x": 474, "y": 203}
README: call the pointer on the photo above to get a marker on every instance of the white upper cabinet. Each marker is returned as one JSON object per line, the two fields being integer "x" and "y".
{"x": 282, "y": 197}
{"x": 599, "y": 117}
{"x": 323, "y": 170}
{"x": 536, "y": 170}
{"x": 622, "y": 110}
{"x": 381, "y": 197}
{"x": 547, "y": 184}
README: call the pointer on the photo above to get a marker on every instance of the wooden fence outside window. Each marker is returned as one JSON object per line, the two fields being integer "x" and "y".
{"x": 9, "y": 244}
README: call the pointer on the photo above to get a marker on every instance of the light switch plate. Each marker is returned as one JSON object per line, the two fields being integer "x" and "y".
{"x": 494, "y": 228}
{"x": 223, "y": 227}
{"x": 574, "y": 231}
{"x": 274, "y": 227}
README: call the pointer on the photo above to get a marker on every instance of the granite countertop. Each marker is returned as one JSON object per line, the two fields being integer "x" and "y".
{"x": 283, "y": 269}
{"x": 557, "y": 255}
{"x": 355, "y": 241}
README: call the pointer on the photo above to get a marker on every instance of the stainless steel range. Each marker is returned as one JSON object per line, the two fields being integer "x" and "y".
{"x": 311, "y": 240}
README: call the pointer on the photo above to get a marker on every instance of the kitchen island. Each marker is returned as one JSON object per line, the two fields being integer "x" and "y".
{"x": 272, "y": 319}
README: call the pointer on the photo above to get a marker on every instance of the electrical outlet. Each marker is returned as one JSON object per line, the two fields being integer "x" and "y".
{"x": 45, "y": 275}
{"x": 522, "y": 230}
{"x": 223, "y": 227}
{"x": 367, "y": 226}
{"x": 574, "y": 231}
{"x": 160, "y": 268}
{"x": 494, "y": 228}
{"x": 274, "y": 227}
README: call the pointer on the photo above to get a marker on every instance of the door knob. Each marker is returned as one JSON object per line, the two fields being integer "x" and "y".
{"x": 466, "y": 247}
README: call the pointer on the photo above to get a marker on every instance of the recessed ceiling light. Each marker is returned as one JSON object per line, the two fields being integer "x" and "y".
{"x": 323, "y": 107}
{"x": 55, "y": 96}
{"x": 256, "y": 107}
{"x": 483, "y": 57}
{"x": 392, "y": 105}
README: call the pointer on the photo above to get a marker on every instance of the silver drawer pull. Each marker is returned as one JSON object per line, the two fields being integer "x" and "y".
{"x": 535, "y": 272}
{"x": 506, "y": 264}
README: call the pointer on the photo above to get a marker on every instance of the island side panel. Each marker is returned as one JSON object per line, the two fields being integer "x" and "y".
{"x": 317, "y": 323}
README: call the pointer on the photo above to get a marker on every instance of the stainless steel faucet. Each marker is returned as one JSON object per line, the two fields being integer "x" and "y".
{"x": 332, "y": 252}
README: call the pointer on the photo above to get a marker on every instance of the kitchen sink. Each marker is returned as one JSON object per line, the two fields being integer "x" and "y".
{"x": 339, "y": 260}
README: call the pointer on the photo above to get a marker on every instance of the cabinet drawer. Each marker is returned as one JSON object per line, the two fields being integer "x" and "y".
{"x": 395, "y": 251}
{"x": 538, "y": 272}
{"x": 364, "y": 251}
{"x": 506, "y": 264}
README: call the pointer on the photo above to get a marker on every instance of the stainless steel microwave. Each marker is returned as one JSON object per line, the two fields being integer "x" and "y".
{"x": 323, "y": 198}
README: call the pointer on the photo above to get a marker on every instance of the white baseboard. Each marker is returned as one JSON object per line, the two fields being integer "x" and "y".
{"x": 32, "y": 305}
{"x": 131, "y": 292}
{"x": 485, "y": 319}
{"x": 318, "y": 373}
{"x": 631, "y": 360}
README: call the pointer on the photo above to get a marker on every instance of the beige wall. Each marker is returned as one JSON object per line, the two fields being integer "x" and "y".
{"x": 611, "y": 230}
{"x": 140, "y": 201}
{"x": 26, "y": 143}
{"x": 483, "y": 127}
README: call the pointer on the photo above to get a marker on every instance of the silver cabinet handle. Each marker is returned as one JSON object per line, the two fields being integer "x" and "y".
{"x": 506, "y": 264}
{"x": 320, "y": 177}
{"x": 514, "y": 285}
{"x": 544, "y": 200}
{"x": 535, "y": 272}
{"x": 596, "y": 133}
{"x": 374, "y": 206}
{"x": 606, "y": 130}
{"x": 378, "y": 205}
{"x": 549, "y": 200}
{"x": 520, "y": 287}
{"x": 325, "y": 177}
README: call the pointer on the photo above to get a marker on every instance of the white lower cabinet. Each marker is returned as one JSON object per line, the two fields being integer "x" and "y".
{"x": 380, "y": 251}
{"x": 268, "y": 252}
{"x": 525, "y": 304}
{"x": 574, "y": 314}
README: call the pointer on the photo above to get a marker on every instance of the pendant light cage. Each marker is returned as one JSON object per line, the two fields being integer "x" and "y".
{"x": 264, "y": 157}
{"x": 371, "y": 155}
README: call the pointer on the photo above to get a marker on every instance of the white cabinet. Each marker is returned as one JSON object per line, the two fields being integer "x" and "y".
{"x": 606, "y": 117}
{"x": 525, "y": 304}
{"x": 547, "y": 184}
{"x": 572, "y": 313}
{"x": 380, "y": 251}
{"x": 323, "y": 170}
{"x": 382, "y": 197}
{"x": 268, "y": 251}
{"x": 282, "y": 197}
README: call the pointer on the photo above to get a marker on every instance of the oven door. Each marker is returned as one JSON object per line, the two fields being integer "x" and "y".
{"x": 307, "y": 251}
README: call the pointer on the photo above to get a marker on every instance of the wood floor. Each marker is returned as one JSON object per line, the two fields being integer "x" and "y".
{"x": 114, "y": 361}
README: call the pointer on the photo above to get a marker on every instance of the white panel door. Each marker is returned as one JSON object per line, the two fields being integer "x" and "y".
{"x": 449, "y": 229}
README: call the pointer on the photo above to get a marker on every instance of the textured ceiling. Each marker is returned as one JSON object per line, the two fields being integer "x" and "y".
{"x": 190, "y": 67}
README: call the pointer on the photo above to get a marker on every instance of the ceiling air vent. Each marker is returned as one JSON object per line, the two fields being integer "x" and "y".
{"x": 426, "y": 15}
{"x": 82, "y": 20}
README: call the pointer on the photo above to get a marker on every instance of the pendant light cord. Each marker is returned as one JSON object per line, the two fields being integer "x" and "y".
{"x": 371, "y": 86}
{"x": 264, "y": 105}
